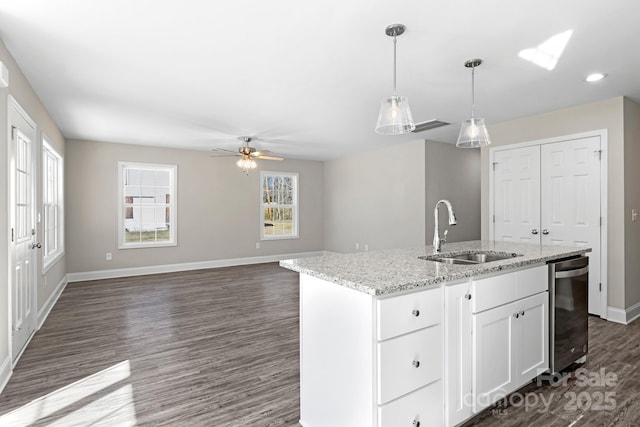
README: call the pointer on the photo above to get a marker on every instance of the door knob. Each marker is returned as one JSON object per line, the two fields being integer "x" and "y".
{"x": 534, "y": 231}
{"x": 545, "y": 231}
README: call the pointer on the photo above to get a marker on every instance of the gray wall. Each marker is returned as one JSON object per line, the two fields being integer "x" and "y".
{"x": 631, "y": 201}
{"x": 600, "y": 115}
{"x": 218, "y": 207}
{"x": 20, "y": 89}
{"x": 376, "y": 198}
{"x": 454, "y": 174}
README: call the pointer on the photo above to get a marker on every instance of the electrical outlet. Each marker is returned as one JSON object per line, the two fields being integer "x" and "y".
{"x": 357, "y": 246}
{"x": 634, "y": 215}
{"x": 108, "y": 256}
{"x": 257, "y": 245}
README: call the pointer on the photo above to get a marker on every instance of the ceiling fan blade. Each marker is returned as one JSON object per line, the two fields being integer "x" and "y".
{"x": 224, "y": 149}
{"x": 223, "y": 155}
{"x": 261, "y": 153}
{"x": 268, "y": 158}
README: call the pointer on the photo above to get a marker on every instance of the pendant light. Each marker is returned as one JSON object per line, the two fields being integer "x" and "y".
{"x": 473, "y": 132}
{"x": 395, "y": 116}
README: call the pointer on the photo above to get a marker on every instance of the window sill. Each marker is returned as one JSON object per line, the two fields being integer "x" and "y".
{"x": 279, "y": 237}
{"x": 146, "y": 245}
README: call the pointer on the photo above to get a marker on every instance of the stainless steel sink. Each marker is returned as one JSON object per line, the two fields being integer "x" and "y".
{"x": 470, "y": 258}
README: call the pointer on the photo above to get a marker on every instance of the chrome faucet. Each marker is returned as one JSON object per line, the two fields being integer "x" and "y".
{"x": 437, "y": 241}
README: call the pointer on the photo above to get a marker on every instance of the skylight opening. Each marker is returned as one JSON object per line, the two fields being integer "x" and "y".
{"x": 547, "y": 54}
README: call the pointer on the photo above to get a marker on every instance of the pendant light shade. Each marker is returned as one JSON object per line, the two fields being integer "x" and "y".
{"x": 473, "y": 132}
{"x": 395, "y": 115}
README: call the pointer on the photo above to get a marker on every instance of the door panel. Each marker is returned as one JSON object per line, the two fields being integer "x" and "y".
{"x": 492, "y": 355}
{"x": 23, "y": 256}
{"x": 571, "y": 202}
{"x": 532, "y": 337}
{"x": 517, "y": 194}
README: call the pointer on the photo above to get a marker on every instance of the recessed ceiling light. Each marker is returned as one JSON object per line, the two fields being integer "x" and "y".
{"x": 595, "y": 77}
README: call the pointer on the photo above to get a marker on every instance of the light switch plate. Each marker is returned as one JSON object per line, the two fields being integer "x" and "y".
{"x": 634, "y": 215}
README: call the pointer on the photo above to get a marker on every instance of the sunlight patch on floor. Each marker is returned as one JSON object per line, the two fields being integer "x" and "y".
{"x": 89, "y": 401}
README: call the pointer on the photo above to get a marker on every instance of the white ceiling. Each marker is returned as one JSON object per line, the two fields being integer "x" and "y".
{"x": 307, "y": 77}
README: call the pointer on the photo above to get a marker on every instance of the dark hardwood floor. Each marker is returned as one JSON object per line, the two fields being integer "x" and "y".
{"x": 212, "y": 347}
{"x": 219, "y": 347}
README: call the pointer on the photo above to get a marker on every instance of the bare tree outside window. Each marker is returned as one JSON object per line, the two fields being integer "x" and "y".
{"x": 279, "y": 205}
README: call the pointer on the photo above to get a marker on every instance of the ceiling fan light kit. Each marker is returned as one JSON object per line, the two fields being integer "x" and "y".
{"x": 395, "y": 115}
{"x": 473, "y": 132}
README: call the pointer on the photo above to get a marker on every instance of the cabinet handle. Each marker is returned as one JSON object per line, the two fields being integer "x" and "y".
{"x": 416, "y": 363}
{"x": 416, "y": 423}
{"x": 522, "y": 313}
{"x": 467, "y": 296}
{"x": 545, "y": 231}
{"x": 534, "y": 231}
{"x": 416, "y": 313}
{"x": 516, "y": 315}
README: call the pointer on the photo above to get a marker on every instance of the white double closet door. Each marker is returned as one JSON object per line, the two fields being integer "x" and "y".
{"x": 549, "y": 194}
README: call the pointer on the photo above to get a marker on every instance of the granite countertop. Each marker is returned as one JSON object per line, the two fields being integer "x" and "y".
{"x": 395, "y": 270}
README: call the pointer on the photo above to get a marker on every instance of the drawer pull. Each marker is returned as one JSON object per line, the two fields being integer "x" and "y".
{"x": 416, "y": 313}
{"x": 516, "y": 315}
{"x": 416, "y": 363}
{"x": 522, "y": 313}
{"x": 416, "y": 423}
{"x": 467, "y": 296}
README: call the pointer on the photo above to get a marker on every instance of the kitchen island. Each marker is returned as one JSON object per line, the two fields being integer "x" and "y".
{"x": 389, "y": 338}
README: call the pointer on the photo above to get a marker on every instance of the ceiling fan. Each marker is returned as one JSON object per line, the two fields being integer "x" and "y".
{"x": 248, "y": 154}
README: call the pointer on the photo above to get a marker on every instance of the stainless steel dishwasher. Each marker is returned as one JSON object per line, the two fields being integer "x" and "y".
{"x": 568, "y": 312}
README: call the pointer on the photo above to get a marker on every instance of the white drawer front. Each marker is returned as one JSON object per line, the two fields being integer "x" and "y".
{"x": 532, "y": 281}
{"x": 409, "y": 362}
{"x": 407, "y": 313}
{"x": 493, "y": 291}
{"x": 503, "y": 289}
{"x": 423, "y": 406}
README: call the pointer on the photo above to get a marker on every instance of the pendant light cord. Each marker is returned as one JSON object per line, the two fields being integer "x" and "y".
{"x": 394, "y": 66}
{"x": 473, "y": 91}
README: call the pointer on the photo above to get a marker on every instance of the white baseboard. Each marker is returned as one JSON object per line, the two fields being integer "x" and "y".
{"x": 624, "y": 317}
{"x": 170, "y": 268}
{"x": 44, "y": 311}
{"x": 5, "y": 372}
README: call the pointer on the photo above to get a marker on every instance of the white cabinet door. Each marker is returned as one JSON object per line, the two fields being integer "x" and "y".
{"x": 571, "y": 202}
{"x": 510, "y": 348}
{"x": 493, "y": 362}
{"x": 458, "y": 338}
{"x": 517, "y": 195}
{"x": 531, "y": 340}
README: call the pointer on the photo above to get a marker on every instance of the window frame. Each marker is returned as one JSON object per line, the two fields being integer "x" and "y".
{"x": 51, "y": 258}
{"x": 295, "y": 205}
{"x": 173, "y": 215}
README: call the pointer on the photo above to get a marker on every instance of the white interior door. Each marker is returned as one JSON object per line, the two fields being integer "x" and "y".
{"x": 22, "y": 251}
{"x": 571, "y": 202}
{"x": 517, "y": 195}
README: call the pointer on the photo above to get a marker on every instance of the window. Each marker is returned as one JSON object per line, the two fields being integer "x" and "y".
{"x": 279, "y": 205}
{"x": 52, "y": 208}
{"x": 147, "y": 205}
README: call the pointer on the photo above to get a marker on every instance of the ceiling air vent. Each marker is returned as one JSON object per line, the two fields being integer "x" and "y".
{"x": 428, "y": 125}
